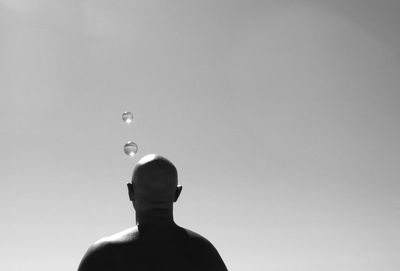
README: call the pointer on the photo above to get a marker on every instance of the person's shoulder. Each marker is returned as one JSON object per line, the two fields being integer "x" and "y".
{"x": 115, "y": 239}
{"x": 205, "y": 251}
{"x": 200, "y": 243}
{"x": 100, "y": 253}
{"x": 197, "y": 238}
{"x": 124, "y": 236}
{"x": 194, "y": 235}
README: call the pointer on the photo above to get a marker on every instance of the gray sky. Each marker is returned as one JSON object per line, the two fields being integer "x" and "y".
{"x": 282, "y": 117}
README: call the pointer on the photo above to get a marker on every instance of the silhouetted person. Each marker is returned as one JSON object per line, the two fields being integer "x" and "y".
{"x": 156, "y": 243}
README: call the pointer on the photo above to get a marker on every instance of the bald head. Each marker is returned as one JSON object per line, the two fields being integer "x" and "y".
{"x": 154, "y": 182}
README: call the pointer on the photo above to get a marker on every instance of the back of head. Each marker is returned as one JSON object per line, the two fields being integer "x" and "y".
{"x": 155, "y": 181}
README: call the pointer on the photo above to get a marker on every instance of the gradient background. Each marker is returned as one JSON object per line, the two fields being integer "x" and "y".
{"x": 282, "y": 117}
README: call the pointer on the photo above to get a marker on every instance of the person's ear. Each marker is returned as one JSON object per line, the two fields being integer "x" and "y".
{"x": 131, "y": 191}
{"x": 177, "y": 192}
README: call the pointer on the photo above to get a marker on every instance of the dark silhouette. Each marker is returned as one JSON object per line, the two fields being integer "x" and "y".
{"x": 156, "y": 243}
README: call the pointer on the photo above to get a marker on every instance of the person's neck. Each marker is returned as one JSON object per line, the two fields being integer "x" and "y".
{"x": 154, "y": 216}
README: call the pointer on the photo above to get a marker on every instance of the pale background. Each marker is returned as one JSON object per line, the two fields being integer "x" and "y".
{"x": 282, "y": 117}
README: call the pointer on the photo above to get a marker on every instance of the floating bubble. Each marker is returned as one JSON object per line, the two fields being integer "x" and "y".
{"x": 127, "y": 117}
{"x": 130, "y": 148}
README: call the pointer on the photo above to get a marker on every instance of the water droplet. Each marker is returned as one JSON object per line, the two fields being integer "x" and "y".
{"x": 130, "y": 148}
{"x": 127, "y": 117}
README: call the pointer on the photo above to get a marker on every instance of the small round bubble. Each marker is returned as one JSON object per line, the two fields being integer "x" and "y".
{"x": 127, "y": 117}
{"x": 130, "y": 148}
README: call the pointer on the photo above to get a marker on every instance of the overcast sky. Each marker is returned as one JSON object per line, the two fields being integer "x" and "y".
{"x": 282, "y": 117}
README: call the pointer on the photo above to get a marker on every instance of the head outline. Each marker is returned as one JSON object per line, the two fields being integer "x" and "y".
{"x": 154, "y": 184}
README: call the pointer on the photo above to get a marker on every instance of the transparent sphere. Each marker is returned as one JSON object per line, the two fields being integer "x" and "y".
{"x": 127, "y": 117}
{"x": 130, "y": 148}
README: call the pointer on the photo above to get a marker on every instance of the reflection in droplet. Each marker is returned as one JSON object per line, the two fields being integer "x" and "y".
{"x": 127, "y": 117}
{"x": 130, "y": 148}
